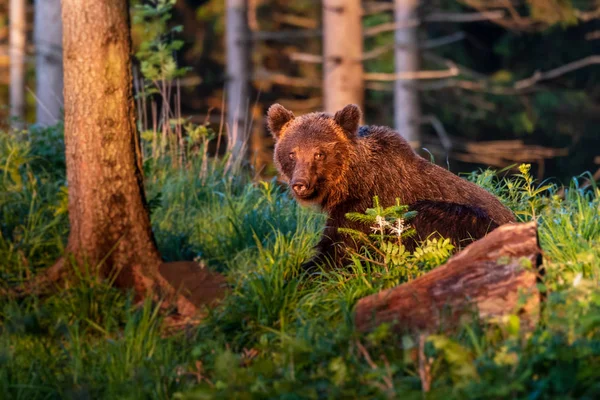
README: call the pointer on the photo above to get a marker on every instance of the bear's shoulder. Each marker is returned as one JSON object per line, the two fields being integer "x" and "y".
{"x": 385, "y": 141}
{"x": 364, "y": 131}
{"x": 374, "y": 131}
{"x": 382, "y": 135}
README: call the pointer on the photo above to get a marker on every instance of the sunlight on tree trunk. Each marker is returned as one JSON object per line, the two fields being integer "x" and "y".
{"x": 406, "y": 98}
{"x": 17, "y": 43}
{"x": 108, "y": 214}
{"x": 342, "y": 54}
{"x": 260, "y": 156}
{"x": 49, "y": 63}
{"x": 238, "y": 68}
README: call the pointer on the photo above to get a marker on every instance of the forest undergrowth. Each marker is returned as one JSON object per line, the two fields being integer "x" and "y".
{"x": 279, "y": 333}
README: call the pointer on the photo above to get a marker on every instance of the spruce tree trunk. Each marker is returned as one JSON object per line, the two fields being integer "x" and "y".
{"x": 260, "y": 156}
{"x": 49, "y": 63}
{"x": 110, "y": 223}
{"x": 342, "y": 54}
{"x": 406, "y": 98}
{"x": 17, "y": 43}
{"x": 107, "y": 207}
{"x": 238, "y": 69}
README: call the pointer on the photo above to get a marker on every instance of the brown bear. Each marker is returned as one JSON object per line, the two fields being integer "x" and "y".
{"x": 332, "y": 162}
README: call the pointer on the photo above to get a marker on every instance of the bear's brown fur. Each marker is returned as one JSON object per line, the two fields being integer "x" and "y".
{"x": 331, "y": 161}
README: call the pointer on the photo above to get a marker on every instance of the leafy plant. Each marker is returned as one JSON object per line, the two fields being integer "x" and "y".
{"x": 519, "y": 192}
{"x": 384, "y": 246}
{"x": 157, "y": 49}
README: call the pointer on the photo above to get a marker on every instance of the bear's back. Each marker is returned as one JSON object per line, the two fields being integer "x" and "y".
{"x": 364, "y": 131}
{"x": 385, "y": 142}
{"x": 398, "y": 171}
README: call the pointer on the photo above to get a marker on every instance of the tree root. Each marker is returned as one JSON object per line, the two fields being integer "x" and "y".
{"x": 45, "y": 282}
{"x": 203, "y": 288}
{"x": 41, "y": 284}
{"x": 158, "y": 287}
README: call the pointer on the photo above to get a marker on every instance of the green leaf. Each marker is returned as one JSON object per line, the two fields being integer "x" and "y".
{"x": 459, "y": 359}
{"x": 339, "y": 369}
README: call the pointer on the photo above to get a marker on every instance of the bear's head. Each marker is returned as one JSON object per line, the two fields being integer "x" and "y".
{"x": 313, "y": 152}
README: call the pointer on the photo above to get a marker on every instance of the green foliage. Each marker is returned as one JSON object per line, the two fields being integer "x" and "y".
{"x": 169, "y": 137}
{"x": 31, "y": 231}
{"x": 569, "y": 228}
{"x": 381, "y": 220}
{"x": 519, "y": 193}
{"x": 157, "y": 48}
{"x": 384, "y": 247}
{"x": 553, "y": 11}
{"x": 213, "y": 12}
{"x": 280, "y": 333}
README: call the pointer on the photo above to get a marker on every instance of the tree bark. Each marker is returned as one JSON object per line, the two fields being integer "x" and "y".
{"x": 342, "y": 54}
{"x": 49, "y": 63}
{"x": 17, "y": 43}
{"x": 108, "y": 214}
{"x": 487, "y": 277}
{"x": 260, "y": 155}
{"x": 406, "y": 98}
{"x": 110, "y": 225}
{"x": 238, "y": 73}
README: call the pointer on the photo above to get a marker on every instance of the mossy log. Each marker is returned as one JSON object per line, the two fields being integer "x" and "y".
{"x": 491, "y": 277}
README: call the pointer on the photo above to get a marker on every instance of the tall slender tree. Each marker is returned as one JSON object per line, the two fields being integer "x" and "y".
{"x": 342, "y": 54}
{"x": 406, "y": 97}
{"x": 49, "y": 63}
{"x": 238, "y": 73}
{"x": 17, "y": 47}
{"x": 108, "y": 213}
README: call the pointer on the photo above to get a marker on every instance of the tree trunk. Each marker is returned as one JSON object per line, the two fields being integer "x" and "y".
{"x": 17, "y": 43}
{"x": 487, "y": 277}
{"x": 238, "y": 70}
{"x": 49, "y": 63}
{"x": 261, "y": 156}
{"x": 406, "y": 97}
{"x": 342, "y": 54}
{"x": 108, "y": 215}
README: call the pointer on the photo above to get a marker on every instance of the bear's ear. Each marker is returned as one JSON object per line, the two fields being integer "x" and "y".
{"x": 348, "y": 118}
{"x": 277, "y": 117}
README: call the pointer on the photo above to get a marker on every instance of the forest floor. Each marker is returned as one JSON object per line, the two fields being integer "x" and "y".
{"x": 277, "y": 333}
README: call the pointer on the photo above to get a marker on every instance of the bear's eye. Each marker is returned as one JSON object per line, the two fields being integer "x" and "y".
{"x": 319, "y": 156}
{"x": 292, "y": 156}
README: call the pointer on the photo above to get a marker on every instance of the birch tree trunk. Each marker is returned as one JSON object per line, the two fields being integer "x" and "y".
{"x": 49, "y": 63}
{"x": 406, "y": 98}
{"x": 17, "y": 43}
{"x": 342, "y": 54}
{"x": 238, "y": 69}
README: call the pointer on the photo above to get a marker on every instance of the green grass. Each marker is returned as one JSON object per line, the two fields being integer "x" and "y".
{"x": 279, "y": 333}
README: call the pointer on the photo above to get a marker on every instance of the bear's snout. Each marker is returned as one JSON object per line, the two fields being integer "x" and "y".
{"x": 301, "y": 187}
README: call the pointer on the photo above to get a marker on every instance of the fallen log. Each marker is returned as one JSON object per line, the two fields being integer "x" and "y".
{"x": 488, "y": 277}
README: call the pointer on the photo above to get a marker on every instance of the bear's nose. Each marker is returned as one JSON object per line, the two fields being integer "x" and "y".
{"x": 300, "y": 186}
